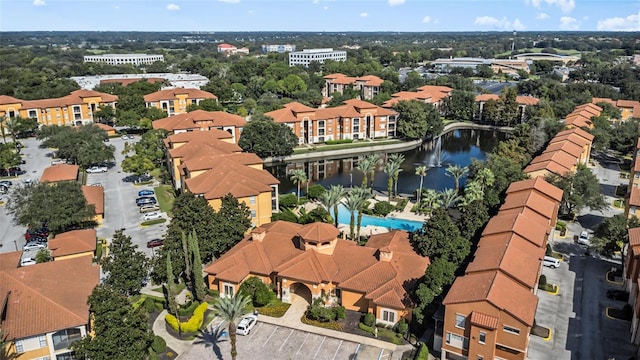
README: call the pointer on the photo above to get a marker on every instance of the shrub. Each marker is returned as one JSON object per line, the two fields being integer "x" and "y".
{"x": 159, "y": 345}
{"x": 548, "y": 252}
{"x": 288, "y": 200}
{"x": 561, "y": 225}
{"x": 275, "y": 311}
{"x": 153, "y": 222}
{"x": 366, "y": 328}
{"x": 152, "y": 355}
{"x": 213, "y": 293}
{"x": 285, "y": 214}
{"x": 336, "y": 142}
{"x": 542, "y": 280}
{"x": 315, "y": 191}
{"x": 383, "y": 208}
{"x": 319, "y": 214}
{"x": 258, "y": 291}
{"x": 402, "y": 327}
{"x": 340, "y": 312}
{"x": 401, "y": 204}
{"x": 172, "y": 321}
{"x": 369, "y": 319}
{"x": 149, "y": 305}
{"x": 423, "y": 352}
{"x": 187, "y": 309}
{"x": 195, "y": 322}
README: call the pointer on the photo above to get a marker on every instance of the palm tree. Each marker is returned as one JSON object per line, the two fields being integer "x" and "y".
{"x": 430, "y": 200}
{"x": 5, "y": 348}
{"x": 449, "y": 198}
{"x": 421, "y": 171}
{"x": 390, "y": 168}
{"x": 12, "y": 124}
{"x": 365, "y": 166}
{"x": 374, "y": 159}
{"x": 298, "y": 176}
{"x": 353, "y": 202}
{"x": 335, "y": 194}
{"x": 231, "y": 309}
{"x": 472, "y": 192}
{"x": 457, "y": 173}
{"x": 485, "y": 177}
{"x": 397, "y": 159}
{"x": 365, "y": 194}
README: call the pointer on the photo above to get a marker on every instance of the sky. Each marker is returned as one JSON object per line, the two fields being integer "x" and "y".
{"x": 320, "y": 15}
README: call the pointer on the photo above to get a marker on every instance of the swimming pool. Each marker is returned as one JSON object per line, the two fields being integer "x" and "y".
{"x": 344, "y": 217}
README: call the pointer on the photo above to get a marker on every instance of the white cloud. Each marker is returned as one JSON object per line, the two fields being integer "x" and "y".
{"x": 39, "y": 3}
{"x": 316, "y": 1}
{"x": 565, "y": 5}
{"x": 325, "y": 7}
{"x": 426, "y": 19}
{"x": 173, "y": 7}
{"x": 630, "y": 23}
{"x": 542, "y": 16}
{"x": 396, "y": 2}
{"x": 363, "y": 14}
{"x": 230, "y": 1}
{"x": 569, "y": 23}
{"x": 499, "y": 24}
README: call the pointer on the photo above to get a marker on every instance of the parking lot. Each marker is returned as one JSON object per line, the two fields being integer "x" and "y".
{"x": 267, "y": 341}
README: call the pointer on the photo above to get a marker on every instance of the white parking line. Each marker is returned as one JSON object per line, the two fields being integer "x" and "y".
{"x": 303, "y": 341}
{"x": 253, "y": 331}
{"x": 274, "y": 331}
{"x": 319, "y": 347}
{"x": 336, "y": 353}
{"x": 285, "y": 340}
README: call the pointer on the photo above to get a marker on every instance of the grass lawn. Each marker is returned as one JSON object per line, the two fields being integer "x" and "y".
{"x": 618, "y": 203}
{"x": 177, "y": 288}
{"x": 275, "y": 308}
{"x": 165, "y": 196}
{"x": 304, "y": 150}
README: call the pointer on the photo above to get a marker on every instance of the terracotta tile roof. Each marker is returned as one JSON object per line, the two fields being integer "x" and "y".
{"x": 194, "y": 148}
{"x": 360, "y": 104}
{"x": 436, "y": 88}
{"x": 351, "y": 108}
{"x": 104, "y": 127}
{"x": 75, "y": 98}
{"x": 350, "y": 266}
{"x": 576, "y": 131}
{"x": 591, "y": 109}
{"x": 333, "y": 76}
{"x": 519, "y": 224}
{"x": 95, "y": 196}
{"x": 6, "y": 100}
{"x": 522, "y": 100}
{"x": 559, "y": 156}
{"x": 548, "y": 165}
{"x": 634, "y": 196}
{"x": 484, "y": 321}
{"x": 370, "y": 80}
{"x": 530, "y": 214}
{"x": 512, "y": 258}
{"x": 538, "y": 184}
{"x": 10, "y": 260}
{"x": 318, "y": 232}
{"x": 572, "y": 149}
{"x": 634, "y": 240}
{"x": 204, "y": 136}
{"x": 289, "y": 113}
{"x": 172, "y": 94}
{"x": 199, "y": 119}
{"x": 73, "y": 242}
{"x": 205, "y": 162}
{"x": 533, "y": 200}
{"x": 497, "y": 289}
{"x": 578, "y": 121}
{"x": 60, "y": 172}
{"x": 47, "y": 297}
{"x": 504, "y": 240}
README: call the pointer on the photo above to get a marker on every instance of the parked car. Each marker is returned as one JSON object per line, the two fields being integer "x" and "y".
{"x": 27, "y": 262}
{"x": 620, "y": 295}
{"x": 551, "y": 262}
{"x": 149, "y": 208}
{"x": 125, "y": 137}
{"x": 583, "y": 238}
{"x": 146, "y": 193}
{"x": 4, "y": 189}
{"x": 97, "y": 169}
{"x": 246, "y": 324}
{"x": 155, "y": 243}
{"x": 151, "y": 215}
{"x": 34, "y": 246}
{"x": 58, "y": 161}
{"x": 6, "y": 183}
{"x": 147, "y": 200}
{"x": 130, "y": 136}
{"x": 32, "y": 233}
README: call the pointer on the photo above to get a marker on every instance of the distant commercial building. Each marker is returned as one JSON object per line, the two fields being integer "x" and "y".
{"x": 506, "y": 66}
{"x": 278, "y": 48}
{"x": 531, "y": 57}
{"x": 232, "y": 50}
{"x": 179, "y": 80}
{"x": 122, "y": 59}
{"x": 306, "y": 56}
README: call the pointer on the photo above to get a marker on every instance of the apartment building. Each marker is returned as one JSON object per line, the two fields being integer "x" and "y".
{"x": 229, "y": 50}
{"x": 208, "y": 164}
{"x": 76, "y": 108}
{"x": 43, "y": 311}
{"x": 124, "y": 59}
{"x": 306, "y": 56}
{"x": 176, "y": 101}
{"x": 278, "y": 48}
{"x": 632, "y": 203}
{"x": 368, "y": 86}
{"x": 356, "y": 119}
{"x": 628, "y": 108}
{"x": 201, "y": 120}
{"x": 631, "y": 278}
{"x": 312, "y": 262}
{"x": 581, "y": 116}
{"x": 523, "y": 102}
{"x": 430, "y": 94}
{"x": 563, "y": 154}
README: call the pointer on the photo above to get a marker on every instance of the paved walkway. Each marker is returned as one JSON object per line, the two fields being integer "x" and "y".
{"x": 159, "y": 328}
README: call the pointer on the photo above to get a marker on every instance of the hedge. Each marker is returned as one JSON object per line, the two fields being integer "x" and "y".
{"x": 335, "y": 142}
{"x": 159, "y": 345}
{"x": 193, "y": 324}
{"x": 153, "y": 222}
{"x": 423, "y": 352}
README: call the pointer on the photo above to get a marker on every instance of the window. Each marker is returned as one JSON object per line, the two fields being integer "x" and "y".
{"x": 511, "y": 330}
{"x": 252, "y": 200}
{"x": 19, "y": 347}
{"x": 457, "y": 341}
{"x": 460, "y": 321}
{"x": 33, "y": 114}
{"x": 482, "y": 337}
{"x": 253, "y": 213}
{"x": 228, "y": 289}
{"x": 389, "y": 316}
{"x": 43, "y": 341}
{"x": 63, "y": 338}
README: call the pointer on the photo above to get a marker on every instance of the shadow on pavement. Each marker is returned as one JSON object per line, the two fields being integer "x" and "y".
{"x": 210, "y": 338}
{"x": 590, "y": 221}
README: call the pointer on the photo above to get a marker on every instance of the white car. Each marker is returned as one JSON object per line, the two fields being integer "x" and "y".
{"x": 97, "y": 169}
{"x": 125, "y": 137}
{"x": 34, "y": 246}
{"x": 27, "y": 262}
{"x": 152, "y": 216}
{"x": 246, "y": 324}
{"x": 583, "y": 238}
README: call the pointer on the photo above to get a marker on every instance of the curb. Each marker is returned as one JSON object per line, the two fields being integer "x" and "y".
{"x": 555, "y": 292}
{"x": 606, "y": 277}
{"x": 606, "y": 312}
{"x": 550, "y": 335}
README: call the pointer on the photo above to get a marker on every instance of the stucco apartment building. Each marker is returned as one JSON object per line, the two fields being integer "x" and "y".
{"x": 44, "y": 308}
{"x": 628, "y": 108}
{"x": 581, "y": 116}
{"x": 310, "y": 261}
{"x": 368, "y": 85}
{"x": 229, "y": 50}
{"x": 201, "y": 120}
{"x": 632, "y": 203}
{"x": 523, "y": 102}
{"x": 76, "y": 108}
{"x": 356, "y": 119}
{"x": 175, "y": 101}
{"x": 207, "y": 164}
{"x": 568, "y": 149}
{"x": 430, "y": 94}
{"x": 489, "y": 312}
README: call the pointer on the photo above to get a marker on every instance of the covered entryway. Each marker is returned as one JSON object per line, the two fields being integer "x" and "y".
{"x": 302, "y": 291}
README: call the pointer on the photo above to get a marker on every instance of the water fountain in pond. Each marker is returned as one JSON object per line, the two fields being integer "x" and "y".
{"x": 435, "y": 159}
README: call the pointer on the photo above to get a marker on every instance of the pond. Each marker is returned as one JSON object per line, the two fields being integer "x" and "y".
{"x": 458, "y": 147}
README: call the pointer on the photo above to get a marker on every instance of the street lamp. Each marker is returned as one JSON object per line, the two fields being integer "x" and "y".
{"x": 351, "y": 180}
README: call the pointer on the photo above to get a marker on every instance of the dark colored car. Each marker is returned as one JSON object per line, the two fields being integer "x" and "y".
{"x": 154, "y": 243}
{"x": 146, "y": 193}
{"x": 147, "y": 200}
{"x": 620, "y": 295}
{"x": 41, "y": 232}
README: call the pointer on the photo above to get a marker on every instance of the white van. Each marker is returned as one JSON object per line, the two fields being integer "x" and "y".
{"x": 551, "y": 262}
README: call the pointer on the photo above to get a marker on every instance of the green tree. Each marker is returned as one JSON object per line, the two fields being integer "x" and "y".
{"x": 417, "y": 119}
{"x": 8, "y": 157}
{"x": 145, "y": 155}
{"x": 231, "y": 310}
{"x": 332, "y": 198}
{"x": 491, "y": 111}
{"x": 125, "y": 266}
{"x": 298, "y": 177}
{"x": 390, "y": 168}
{"x": 257, "y": 291}
{"x": 365, "y": 165}
{"x": 612, "y": 234}
{"x": 374, "y": 159}
{"x": 266, "y": 138}
{"x": 460, "y": 104}
{"x": 199, "y": 287}
{"x": 292, "y": 84}
{"x": 473, "y": 217}
{"x": 422, "y": 172}
{"x": 104, "y": 114}
{"x": 364, "y": 194}
{"x": 120, "y": 331}
{"x": 170, "y": 294}
{"x": 449, "y": 198}
{"x": 440, "y": 238}
{"x": 579, "y": 190}
{"x": 457, "y": 172}
{"x": 61, "y": 205}
{"x": 206, "y": 105}
{"x": 43, "y": 255}
{"x": 472, "y": 193}
{"x": 6, "y": 352}
{"x": 397, "y": 159}
{"x": 430, "y": 200}
{"x": 83, "y": 145}
{"x": 439, "y": 274}
{"x": 508, "y": 105}
{"x": 353, "y": 202}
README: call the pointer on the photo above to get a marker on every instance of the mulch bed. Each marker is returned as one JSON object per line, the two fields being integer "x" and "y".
{"x": 540, "y": 331}
{"x": 619, "y": 314}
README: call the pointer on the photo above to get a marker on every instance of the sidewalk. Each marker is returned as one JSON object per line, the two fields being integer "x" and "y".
{"x": 159, "y": 328}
